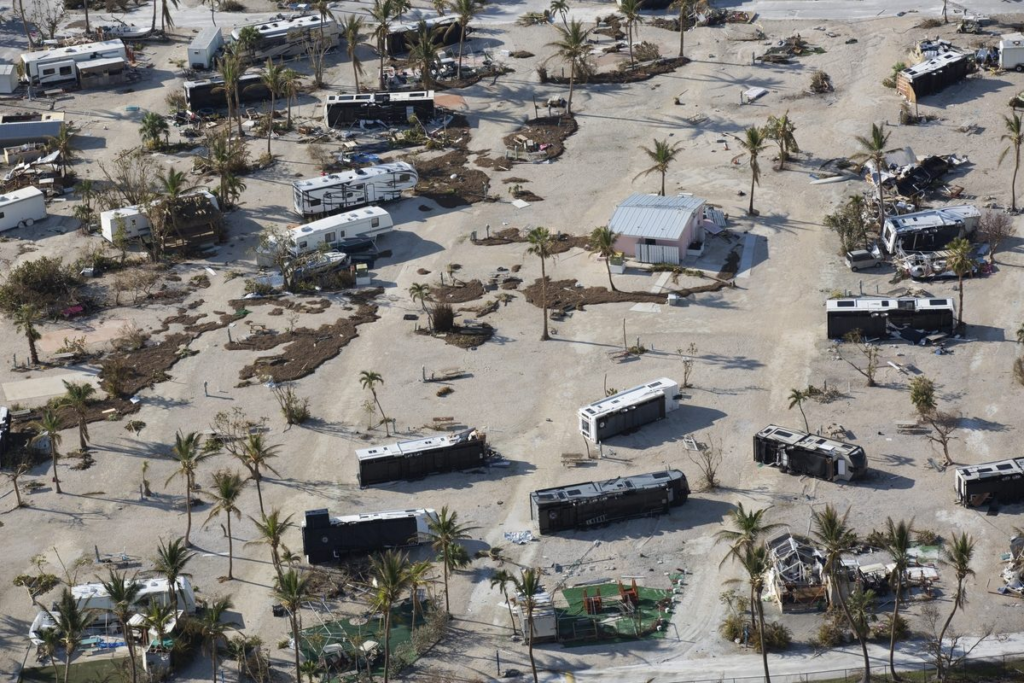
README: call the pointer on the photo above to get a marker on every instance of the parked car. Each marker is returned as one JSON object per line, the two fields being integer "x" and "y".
{"x": 859, "y": 259}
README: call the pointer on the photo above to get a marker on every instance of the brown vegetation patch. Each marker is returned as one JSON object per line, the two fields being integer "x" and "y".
{"x": 547, "y": 132}
{"x": 511, "y": 283}
{"x": 484, "y": 161}
{"x": 640, "y": 73}
{"x": 458, "y": 294}
{"x": 527, "y": 196}
{"x": 562, "y": 242}
{"x": 299, "y": 305}
{"x": 565, "y": 294}
{"x": 463, "y": 337}
{"x": 309, "y": 349}
{"x": 469, "y": 185}
{"x": 521, "y": 54}
{"x": 473, "y": 79}
{"x": 513, "y": 179}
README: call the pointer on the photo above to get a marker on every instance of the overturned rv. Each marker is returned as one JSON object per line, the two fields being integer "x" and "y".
{"x": 584, "y": 506}
{"x": 339, "y": 191}
{"x": 446, "y": 31}
{"x": 390, "y": 108}
{"x": 933, "y": 75}
{"x": 801, "y": 453}
{"x": 327, "y": 233}
{"x": 62, "y": 64}
{"x": 409, "y": 460}
{"x": 990, "y": 482}
{"x": 930, "y": 230}
{"x": 209, "y": 93}
{"x": 288, "y": 37}
{"x": 328, "y": 539}
{"x": 880, "y": 318}
{"x": 628, "y": 410}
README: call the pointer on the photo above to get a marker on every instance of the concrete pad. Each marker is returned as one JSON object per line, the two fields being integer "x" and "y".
{"x": 45, "y": 387}
{"x": 659, "y": 285}
{"x": 747, "y": 258}
{"x": 646, "y": 308}
{"x": 100, "y": 333}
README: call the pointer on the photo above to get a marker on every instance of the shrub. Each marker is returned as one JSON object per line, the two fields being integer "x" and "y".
{"x": 131, "y": 338}
{"x": 176, "y": 101}
{"x": 927, "y": 537}
{"x": 880, "y": 630}
{"x": 231, "y": 6}
{"x": 646, "y": 52}
{"x": 294, "y": 409}
{"x": 443, "y": 317}
{"x": 777, "y": 637}
{"x": 731, "y": 627}
{"x": 821, "y": 82}
{"x": 830, "y": 634}
{"x": 259, "y": 288}
{"x": 1018, "y": 370}
{"x": 47, "y": 283}
{"x": 114, "y": 376}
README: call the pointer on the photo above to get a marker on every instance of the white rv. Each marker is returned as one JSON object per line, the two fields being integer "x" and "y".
{"x": 21, "y": 208}
{"x": 929, "y": 230}
{"x": 287, "y": 37}
{"x": 331, "y": 193}
{"x": 136, "y": 222}
{"x": 61, "y": 64}
{"x": 1011, "y": 52}
{"x": 204, "y": 48}
{"x": 628, "y": 410}
{"x": 369, "y": 221}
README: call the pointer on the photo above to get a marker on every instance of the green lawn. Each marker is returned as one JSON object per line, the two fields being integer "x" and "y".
{"x": 315, "y": 638}
{"x": 82, "y": 671}
{"x": 576, "y": 627}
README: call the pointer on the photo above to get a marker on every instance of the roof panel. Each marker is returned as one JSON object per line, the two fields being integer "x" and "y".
{"x": 654, "y": 217}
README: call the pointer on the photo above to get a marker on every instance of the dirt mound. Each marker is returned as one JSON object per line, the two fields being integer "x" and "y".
{"x": 565, "y": 294}
{"x": 470, "y": 291}
{"x": 547, "y": 133}
{"x": 641, "y": 73}
{"x": 561, "y": 244}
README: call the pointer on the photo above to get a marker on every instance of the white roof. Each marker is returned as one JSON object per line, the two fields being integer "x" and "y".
{"x": 19, "y": 195}
{"x": 350, "y": 176}
{"x": 205, "y": 38}
{"x": 629, "y": 397}
{"x": 390, "y": 514}
{"x": 341, "y": 219}
{"x": 1011, "y": 40}
{"x": 6, "y": 69}
{"x": 414, "y": 446}
{"x": 653, "y": 217}
{"x": 934, "y": 64}
{"x": 72, "y": 51}
{"x": 283, "y": 27}
{"x": 100, "y": 63}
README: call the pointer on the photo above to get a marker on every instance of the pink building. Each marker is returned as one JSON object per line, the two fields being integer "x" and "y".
{"x": 655, "y": 229}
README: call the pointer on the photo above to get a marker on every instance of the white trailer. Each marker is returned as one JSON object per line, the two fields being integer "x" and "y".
{"x": 369, "y": 221}
{"x": 628, "y": 409}
{"x": 1011, "y": 52}
{"x": 929, "y": 230}
{"x": 204, "y": 48}
{"x": 60, "y": 64}
{"x": 287, "y": 38}
{"x": 337, "y": 191}
{"x": 136, "y": 222}
{"x": 21, "y": 208}
{"x": 8, "y": 79}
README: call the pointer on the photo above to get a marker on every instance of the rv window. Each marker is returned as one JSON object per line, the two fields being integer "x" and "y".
{"x": 1, "y": 214}
{"x": 314, "y": 202}
{"x": 302, "y": 245}
{"x": 403, "y": 178}
{"x": 65, "y": 71}
{"x": 329, "y": 237}
{"x": 846, "y": 304}
{"x": 342, "y": 233}
{"x": 937, "y": 302}
{"x": 374, "y": 222}
{"x": 48, "y": 72}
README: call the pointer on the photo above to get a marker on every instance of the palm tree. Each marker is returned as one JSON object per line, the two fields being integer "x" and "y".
{"x": 390, "y": 571}
{"x": 71, "y": 621}
{"x": 561, "y": 8}
{"x": 270, "y": 532}
{"x": 465, "y": 11}
{"x": 748, "y": 528}
{"x": 174, "y": 185}
{"x": 873, "y": 149}
{"x": 62, "y": 143}
{"x": 171, "y": 560}
{"x": 602, "y": 243}
{"x": 961, "y": 263}
{"x": 418, "y": 577}
{"x": 25, "y": 319}
{"x": 273, "y": 78}
{"x": 156, "y": 618}
{"x": 422, "y": 51}
{"x": 502, "y": 578}
{"x": 124, "y": 593}
{"x": 352, "y": 28}
{"x": 445, "y": 532}
{"x": 291, "y": 82}
{"x": 420, "y": 292}
{"x": 662, "y": 156}
{"x": 254, "y": 454}
{"x": 797, "y": 398}
{"x": 540, "y": 246}
{"x": 212, "y": 630}
{"x": 1014, "y": 136}
{"x": 898, "y": 539}
{"x": 77, "y": 397}
{"x": 48, "y": 649}
{"x": 684, "y": 8}
{"x": 835, "y": 537}
{"x": 229, "y": 66}
{"x": 780, "y": 129}
{"x": 753, "y": 143}
{"x": 227, "y": 489}
{"x": 958, "y": 555}
{"x": 223, "y": 158}
{"x": 14, "y": 472}
{"x": 153, "y": 129}
{"x": 528, "y": 586}
{"x": 369, "y": 380}
{"x": 166, "y": 16}
{"x": 323, "y": 8}
{"x": 631, "y": 13}
{"x": 291, "y": 589}
{"x": 48, "y": 427}
{"x": 754, "y": 561}
{"x": 382, "y": 12}
{"x": 188, "y": 454}
{"x": 572, "y": 47}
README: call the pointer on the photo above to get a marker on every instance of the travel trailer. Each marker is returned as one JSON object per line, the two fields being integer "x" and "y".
{"x": 390, "y": 108}
{"x": 878, "y": 318}
{"x": 446, "y": 30}
{"x": 991, "y": 482}
{"x": 21, "y": 208}
{"x": 61, "y": 64}
{"x": 801, "y": 453}
{"x": 584, "y": 506}
{"x": 410, "y": 460}
{"x": 628, "y": 409}
{"x": 928, "y": 230}
{"x": 327, "y": 233}
{"x": 339, "y": 191}
{"x": 1011, "y": 52}
{"x": 209, "y": 93}
{"x": 136, "y": 222}
{"x": 287, "y": 37}
{"x": 203, "y": 49}
{"x": 328, "y": 539}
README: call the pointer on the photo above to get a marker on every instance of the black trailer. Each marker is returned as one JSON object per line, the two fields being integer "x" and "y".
{"x": 446, "y": 31}
{"x": 991, "y": 482}
{"x": 816, "y": 456}
{"x": 878, "y": 318}
{"x": 328, "y": 539}
{"x": 209, "y": 94}
{"x": 584, "y": 506}
{"x": 411, "y": 460}
{"x": 394, "y": 109}
{"x": 628, "y": 410}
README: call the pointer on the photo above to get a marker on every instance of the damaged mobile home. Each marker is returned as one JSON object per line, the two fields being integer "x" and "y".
{"x": 339, "y": 191}
{"x": 882, "y": 318}
{"x": 389, "y": 108}
{"x": 816, "y": 456}
{"x": 991, "y": 482}
{"x": 584, "y": 506}
{"x": 445, "y": 30}
{"x": 628, "y": 410}
{"x": 796, "y": 574}
{"x": 933, "y": 75}
{"x": 328, "y": 539}
{"x": 288, "y": 37}
{"x": 21, "y": 208}
{"x": 410, "y": 460}
{"x": 209, "y": 93}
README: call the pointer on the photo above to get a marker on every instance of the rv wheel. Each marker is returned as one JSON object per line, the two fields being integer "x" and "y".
{"x": 1019, "y": 68}
{"x": 29, "y": 222}
{"x": 21, "y": 224}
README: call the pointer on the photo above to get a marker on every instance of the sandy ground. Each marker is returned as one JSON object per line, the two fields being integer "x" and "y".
{"x": 756, "y": 342}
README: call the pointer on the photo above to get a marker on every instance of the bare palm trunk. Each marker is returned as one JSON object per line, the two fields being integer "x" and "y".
{"x": 942, "y": 634}
{"x": 270, "y": 123}
{"x": 960, "y": 313}
{"x": 83, "y": 433}
{"x": 892, "y": 626}
{"x": 152, "y": 26}
{"x": 1013, "y": 186}
{"x": 381, "y": 48}
{"x": 750, "y": 209}
{"x": 608, "y": 267}
{"x": 387, "y": 644}
{"x": 800, "y": 405}
{"x": 295, "y": 637}
{"x": 511, "y": 617}
{"x": 355, "y": 72}
{"x": 572, "y": 83}
{"x": 238, "y": 112}
{"x": 860, "y": 636}
{"x": 764, "y": 651}
{"x": 682, "y": 28}
{"x": 33, "y": 352}
{"x": 544, "y": 299}
{"x": 444, "y": 567}
{"x": 53, "y": 457}
{"x": 163, "y": 14}
{"x": 259, "y": 492}
{"x": 631, "y": 45}
{"x": 213, "y": 658}
{"x": 881, "y": 193}
{"x": 130, "y": 642}
{"x": 188, "y": 511}
{"x": 24, "y": 22}
{"x": 85, "y": 3}
{"x": 663, "y": 174}
{"x": 17, "y": 494}
{"x": 462, "y": 38}
{"x": 533, "y": 663}
{"x": 383, "y": 417}
{"x": 231, "y": 551}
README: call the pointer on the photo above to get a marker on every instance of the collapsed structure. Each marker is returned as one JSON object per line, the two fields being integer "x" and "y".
{"x": 210, "y": 93}
{"x": 584, "y": 506}
{"x": 801, "y": 453}
{"x": 796, "y": 575}
{"x": 339, "y": 191}
{"x": 910, "y": 318}
{"x": 409, "y": 460}
{"x": 990, "y": 483}
{"x": 628, "y": 410}
{"x": 933, "y": 75}
{"x": 328, "y": 539}
{"x": 444, "y": 30}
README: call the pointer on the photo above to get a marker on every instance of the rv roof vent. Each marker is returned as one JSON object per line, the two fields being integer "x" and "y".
{"x": 306, "y": 228}
{"x": 360, "y": 171}
{"x": 937, "y": 302}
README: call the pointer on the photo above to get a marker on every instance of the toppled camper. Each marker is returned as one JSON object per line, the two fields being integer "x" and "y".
{"x": 445, "y": 30}
{"x": 411, "y": 460}
{"x": 327, "y": 233}
{"x": 797, "y": 452}
{"x": 339, "y": 191}
{"x": 628, "y": 410}
{"x": 21, "y": 208}
{"x": 203, "y": 49}
{"x": 584, "y": 506}
{"x": 389, "y": 108}
{"x": 209, "y": 93}
{"x": 881, "y": 318}
{"x": 930, "y": 230}
{"x": 198, "y": 221}
{"x": 288, "y": 37}
{"x": 933, "y": 75}
{"x": 328, "y": 539}
{"x": 990, "y": 483}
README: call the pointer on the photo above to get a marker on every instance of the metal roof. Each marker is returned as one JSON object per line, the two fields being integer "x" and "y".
{"x": 653, "y": 217}
{"x": 100, "y": 64}
{"x": 26, "y": 131}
